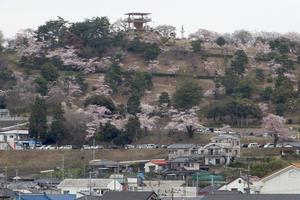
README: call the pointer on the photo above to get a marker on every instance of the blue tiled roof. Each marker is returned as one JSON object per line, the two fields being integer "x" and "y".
{"x": 47, "y": 197}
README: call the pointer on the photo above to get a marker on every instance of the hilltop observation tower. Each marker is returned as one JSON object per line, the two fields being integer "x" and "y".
{"x": 137, "y": 21}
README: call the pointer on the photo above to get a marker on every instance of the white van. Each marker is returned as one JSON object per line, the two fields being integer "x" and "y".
{"x": 253, "y": 145}
{"x": 151, "y": 146}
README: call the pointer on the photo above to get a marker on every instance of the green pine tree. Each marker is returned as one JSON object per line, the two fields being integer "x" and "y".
{"x": 58, "y": 130}
{"x": 38, "y": 119}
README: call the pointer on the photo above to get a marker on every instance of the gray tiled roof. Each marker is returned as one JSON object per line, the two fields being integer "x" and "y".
{"x": 181, "y": 146}
{"x": 102, "y": 183}
{"x": 112, "y": 195}
{"x": 182, "y": 159}
{"x": 103, "y": 162}
{"x": 180, "y": 198}
{"x": 225, "y": 136}
{"x": 89, "y": 197}
{"x": 253, "y": 197}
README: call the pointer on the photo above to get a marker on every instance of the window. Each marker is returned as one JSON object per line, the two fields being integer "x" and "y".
{"x": 240, "y": 181}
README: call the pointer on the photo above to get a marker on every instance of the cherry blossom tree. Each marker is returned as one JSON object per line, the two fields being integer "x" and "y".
{"x": 186, "y": 121}
{"x": 275, "y": 124}
{"x": 100, "y": 88}
{"x": 69, "y": 57}
{"x": 204, "y": 35}
{"x": 26, "y": 44}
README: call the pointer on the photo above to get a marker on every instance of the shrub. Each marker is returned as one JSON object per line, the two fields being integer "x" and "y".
{"x": 100, "y": 100}
{"x": 49, "y": 72}
{"x": 187, "y": 95}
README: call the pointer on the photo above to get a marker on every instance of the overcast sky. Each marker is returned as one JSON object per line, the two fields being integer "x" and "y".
{"x": 218, "y": 15}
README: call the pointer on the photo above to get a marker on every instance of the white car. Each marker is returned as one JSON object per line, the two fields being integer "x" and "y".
{"x": 129, "y": 146}
{"x": 151, "y": 146}
{"x": 41, "y": 147}
{"x": 253, "y": 145}
{"x": 67, "y": 147}
{"x": 86, "y": 147}
{"x": 269, "y": 145}
{"x": 50, "y": 147}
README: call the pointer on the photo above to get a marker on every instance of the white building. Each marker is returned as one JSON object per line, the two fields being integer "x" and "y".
{"x": 240, "y": 184}
{"x": 167, "y": 188}
{"x": 155, "y": 166}
{"x": 284, "y": 181}
{"x": 180, "y": 150}
{"x": 221, "y": 150}
{"x": 12, "y": 139}
{"x": 85, "y": 186}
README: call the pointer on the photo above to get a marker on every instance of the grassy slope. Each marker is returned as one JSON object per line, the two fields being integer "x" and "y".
{"x": 33, "y": 161}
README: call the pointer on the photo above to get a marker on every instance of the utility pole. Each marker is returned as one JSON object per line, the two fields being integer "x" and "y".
{"x": 90, "y": 182}
{"x": 248, "y": 178}
{"x": 94, "y": 148}
{"x": 5, "y": 181}
{"x": 63, "y": 166}
{"x": 212, "y": 184}
{"x": 51, "y": 182}
{"x": 197, "y": 174}
{"x": 17, "y": 175}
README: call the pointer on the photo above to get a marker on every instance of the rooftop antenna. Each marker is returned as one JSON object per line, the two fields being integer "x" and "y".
{"x": 182, "y": 32}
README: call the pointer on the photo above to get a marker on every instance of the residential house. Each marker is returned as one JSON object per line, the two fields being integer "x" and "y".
{"x": 13, "y": 139}
{"x": 221, "y": 150}
{"x": 240, "y": 184}
{"x": 103, "y": 166}
{"x": 284, "y": 181}
{"x": 124, "y": 195}
{"x": 155, "y": 166}
{"x": 92, "y": 186}
{"x": 251, "y": 197}
{"x": 129, "y": 183}
{"x": 188, "y": 163}
{"x": 179, "y": 150}
{"x": 169, "y": 188}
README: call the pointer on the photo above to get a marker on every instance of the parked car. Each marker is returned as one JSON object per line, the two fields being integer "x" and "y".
{"x": 129, "y": 146}
{"x": 253, "y": 145}
{"x": 76, "y": 146}
{"x": 66, "y": 147}
{"x": 245, "y": 145}
{"x": 86, "y": 147}
{"x": 151, "y": 146}
{"x": 269, "y": 145}
{"x": 50, "y": 147}
{"x": 97, "y": 147}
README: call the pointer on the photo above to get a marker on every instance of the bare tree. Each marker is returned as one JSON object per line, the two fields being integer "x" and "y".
{"x": 167, "y": 32}
{"x": 76, "y": 125}
{"x": 119, "y": 25}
